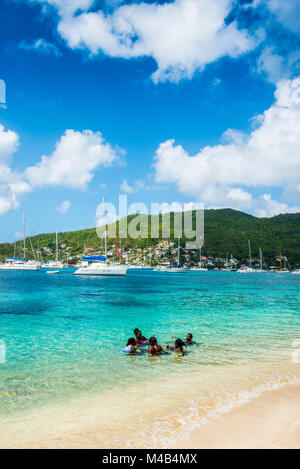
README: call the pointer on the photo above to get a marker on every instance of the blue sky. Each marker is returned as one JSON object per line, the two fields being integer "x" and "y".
{"x": 147, "y": 91}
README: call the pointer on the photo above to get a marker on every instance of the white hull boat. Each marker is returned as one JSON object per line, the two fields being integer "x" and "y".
{"x": 105, "y": 270}
{"x": 247, "y": 270}
{"x": 173, "y": 270}
{"x": 53, "y": 265}
{"x": 20, "y": 265}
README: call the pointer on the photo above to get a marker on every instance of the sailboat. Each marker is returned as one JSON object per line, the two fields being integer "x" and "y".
{"x": 200, "y": 268}
{"x": 54, "y": 264}
{"x": 261, "y": 262}
{"x": 248, "y": 269}
{"x": 97, "y": 265}
{"x": 20, "y": 263}
{"x": 283, "y": 270}
{"x": 227, "y": 265}
{"x": 174, "y": 268}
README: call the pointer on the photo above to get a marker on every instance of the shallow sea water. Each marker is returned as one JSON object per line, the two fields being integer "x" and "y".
{"x": 64, "y": 335}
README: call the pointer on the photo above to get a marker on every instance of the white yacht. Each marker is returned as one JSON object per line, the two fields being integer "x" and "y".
{"x": 284, "y": 269}
{"x": 97, "y": 265}
{"x": 200, "y": 268}
{"x": 248, "y": 269}
{"x": 17, "y": 263}
{"x": 173, "y": 268}
{"x": 54, "y": 264}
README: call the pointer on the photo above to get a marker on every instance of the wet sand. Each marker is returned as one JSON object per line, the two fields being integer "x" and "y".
{"x": 271, "y": 420}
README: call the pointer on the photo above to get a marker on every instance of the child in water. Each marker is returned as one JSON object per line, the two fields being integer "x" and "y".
{"x": 130, "y": 347}
{"x": 139, "y": 338}
{"x": 178, "y": 346}
{"x": 154, "y": 348}
{"x": 189, "y": 339}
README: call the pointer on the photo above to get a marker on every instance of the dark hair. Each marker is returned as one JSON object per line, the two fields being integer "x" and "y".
{"x": 179, "y": 343}
{"x": 191, "y": 335}
{"x": 136, "y": 330}
{"x": 152, "y": 341}
{"x": 131, "y": 341}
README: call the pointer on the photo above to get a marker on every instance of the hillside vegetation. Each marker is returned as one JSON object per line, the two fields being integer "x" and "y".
{"x": 226, "y": 230}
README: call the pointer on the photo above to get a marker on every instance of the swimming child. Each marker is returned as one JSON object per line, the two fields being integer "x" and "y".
{"x": 130, "y": 347}
{"x": 154, "y": 348}
{"x": 189, "y": 339}
{"x": 178, "y": 346}
{"x": 140, "y": 339}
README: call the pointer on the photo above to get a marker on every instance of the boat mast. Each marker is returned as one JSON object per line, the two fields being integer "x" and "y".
{"x": 200, "y": 263}
{"x": 280, "y": 262}
{"x": 56, "y": 246}
{"x": 105, "y": 242}
{"x": 178, "y": 260}
{"x": 250, "y": 259}
{"x": 24, "y": 237}
{"x": 260, "y": 259}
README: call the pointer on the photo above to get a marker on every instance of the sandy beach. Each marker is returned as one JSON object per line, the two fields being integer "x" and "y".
{"x": 271, "y": 420}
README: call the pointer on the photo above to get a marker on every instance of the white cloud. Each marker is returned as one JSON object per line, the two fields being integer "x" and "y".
{"x": 277, "y": 67}
{"x": 76, "y": 157}
{"x": 11, "y": 184}
{"x": 9, "y": 142}
{"x": 267, "y": 207}
{"x": 125, "y": 187}
{"x": 268, "y": 157}
{"x": 287, "y": 12}
{"x": 41, "y": 46}
{"x": 181, "y": 36}
{"x": 64, "y": 206}
{"x": 66, "y": 7}
{"x": 165, "y": 207}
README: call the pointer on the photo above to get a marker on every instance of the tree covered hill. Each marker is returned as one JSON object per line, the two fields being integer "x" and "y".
{"x": 226, "y": 230}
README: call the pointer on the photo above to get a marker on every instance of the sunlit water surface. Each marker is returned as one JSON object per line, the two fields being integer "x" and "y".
{"x": 64, "y": 335}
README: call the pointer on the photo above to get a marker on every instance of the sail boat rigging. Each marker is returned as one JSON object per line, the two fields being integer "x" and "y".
{"x": 98, "y": 265}
{"x": 15, "y": 263}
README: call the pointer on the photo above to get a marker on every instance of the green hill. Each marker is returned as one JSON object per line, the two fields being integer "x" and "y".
{"x": 226, "y": 230}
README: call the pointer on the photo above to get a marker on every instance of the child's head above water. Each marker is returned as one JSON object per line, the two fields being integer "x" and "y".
{"x": 189, "y": 337}
{"x": 179, "y": 343}
{"x": 131, "y": 341}
{"x": 152, "y": 341}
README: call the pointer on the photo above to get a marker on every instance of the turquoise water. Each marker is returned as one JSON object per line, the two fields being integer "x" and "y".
{"x": 63, "y": 334}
